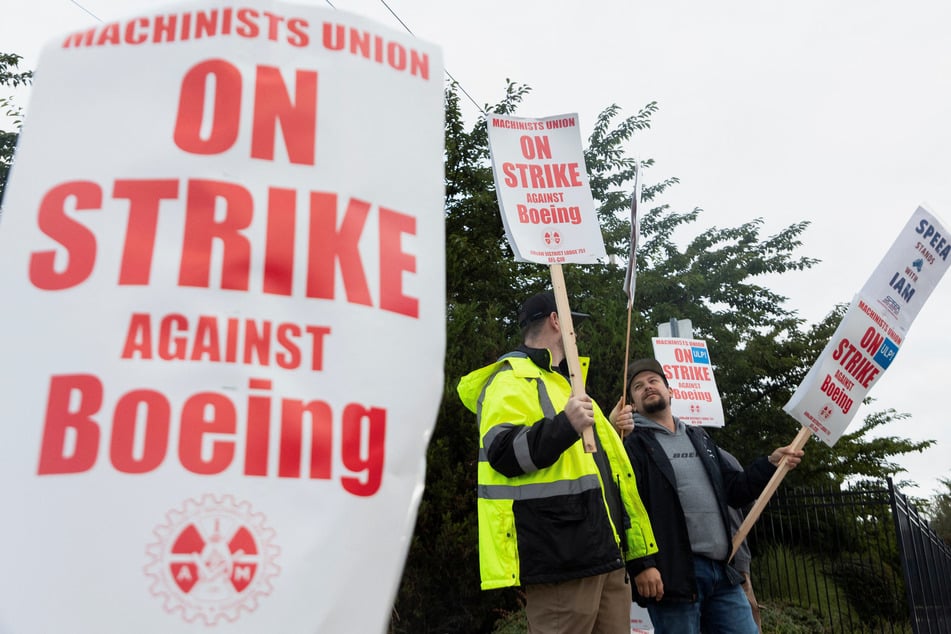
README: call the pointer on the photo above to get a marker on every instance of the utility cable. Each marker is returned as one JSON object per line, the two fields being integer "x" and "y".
{"x": 448, "y": 74}
{"x": 388, "y": 8}
{"x": 86, "y": 10}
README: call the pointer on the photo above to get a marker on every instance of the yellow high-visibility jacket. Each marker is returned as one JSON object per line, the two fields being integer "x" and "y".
{"x": 545, "y": 512}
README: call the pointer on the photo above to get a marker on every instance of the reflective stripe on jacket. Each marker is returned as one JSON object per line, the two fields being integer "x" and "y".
{"x": 547, "y": 522}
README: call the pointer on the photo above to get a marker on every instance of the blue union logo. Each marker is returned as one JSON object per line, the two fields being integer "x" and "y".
{"x": 886, "y": 353}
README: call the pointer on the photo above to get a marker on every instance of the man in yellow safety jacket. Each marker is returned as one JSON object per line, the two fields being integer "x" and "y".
{"x": 552, "y": 518}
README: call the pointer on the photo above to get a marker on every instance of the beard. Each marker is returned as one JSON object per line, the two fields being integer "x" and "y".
{"x": 657, "y": 405}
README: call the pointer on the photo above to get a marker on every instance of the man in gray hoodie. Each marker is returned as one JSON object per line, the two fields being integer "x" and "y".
{"x": 687, "y": 488}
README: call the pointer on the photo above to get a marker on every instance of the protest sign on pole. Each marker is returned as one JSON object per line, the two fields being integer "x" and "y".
{"x": 866, "y": 340}
{"x": 693, "y": 389}
{"x": 543, "y": 189}
{"x": 630, "y": 274}
{"x": 223, "y": 226}
{"x": 873, "y": 329}
{"x": 630, "y": 277}
{"x": 547, "y": 209}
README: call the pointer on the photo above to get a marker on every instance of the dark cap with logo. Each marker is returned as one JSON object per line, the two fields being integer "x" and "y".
{"x": 645, "y": 365}
{"x": 543, "y": 305}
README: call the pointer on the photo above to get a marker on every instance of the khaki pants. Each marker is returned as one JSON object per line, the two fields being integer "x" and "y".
{"x": 596, "y": 605}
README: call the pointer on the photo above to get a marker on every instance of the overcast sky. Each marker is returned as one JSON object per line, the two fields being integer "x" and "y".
{"x": 831, "y": 112}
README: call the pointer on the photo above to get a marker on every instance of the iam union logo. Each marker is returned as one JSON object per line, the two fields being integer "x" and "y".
{"x": 212, "y": 558}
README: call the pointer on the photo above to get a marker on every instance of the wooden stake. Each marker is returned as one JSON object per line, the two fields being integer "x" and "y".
{"x": 571, "y": 346}
{"x": 627, "y": 357}
{"x": 798, "y": 443}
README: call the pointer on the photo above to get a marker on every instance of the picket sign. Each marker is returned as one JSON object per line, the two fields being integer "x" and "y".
{"x": 689, "y": 369}
{"x": 223, "y": 258}
{"x": 630, "y": 278}
{"x": 865, "y": 342}
{"x": 547, "y": 209}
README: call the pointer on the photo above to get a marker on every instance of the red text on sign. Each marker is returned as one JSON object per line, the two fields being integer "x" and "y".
{"x": 334, "y": 232}
{"x": 852, "y": 360}
{"x": 175, "y": 337}
{"x": 177, "y": 27}
{"x": 688, "y": 372}
{"x": 211, "y": 437}
{"x": 837, "y": 394}
{"x": 551, "y": 215}
{"x": 542, "y": 176}
{"x": 219, "y": 84}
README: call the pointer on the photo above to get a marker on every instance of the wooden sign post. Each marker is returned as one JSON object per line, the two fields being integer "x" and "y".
{"x": 547, "y": 209}
{"x": 571, "y": 346}
{"x": 798, "y": 443}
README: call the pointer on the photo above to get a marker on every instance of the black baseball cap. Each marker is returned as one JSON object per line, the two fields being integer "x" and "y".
{"x": 542, "y": 305}
{"x": 645, "y": 365}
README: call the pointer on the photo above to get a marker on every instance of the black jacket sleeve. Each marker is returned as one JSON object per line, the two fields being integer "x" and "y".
{"x": 743, "y": 487}
{"x": 545, "y": 441}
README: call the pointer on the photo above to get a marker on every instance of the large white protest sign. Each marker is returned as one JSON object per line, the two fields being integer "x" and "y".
{"x": 873, "y": 329}
{"x": 222, "y": 264}
{"x": 543, "y": 189}
{"x": 694, "y": 396}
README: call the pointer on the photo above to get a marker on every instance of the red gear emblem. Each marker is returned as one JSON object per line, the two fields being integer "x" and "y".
{"x": 212, "y": 559}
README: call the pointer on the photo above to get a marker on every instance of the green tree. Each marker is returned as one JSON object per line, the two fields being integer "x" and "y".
{"x": 940, "y": 512}
{"x": 761, "y": 348}
{"x": 10, "y": 78}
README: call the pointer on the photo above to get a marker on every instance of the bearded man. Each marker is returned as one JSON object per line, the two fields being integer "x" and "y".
{"x": 688, "y": 586}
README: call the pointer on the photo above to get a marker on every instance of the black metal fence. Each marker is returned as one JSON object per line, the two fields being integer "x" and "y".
{"x": 926, "y": 562}
{"x": 854, "y": 560}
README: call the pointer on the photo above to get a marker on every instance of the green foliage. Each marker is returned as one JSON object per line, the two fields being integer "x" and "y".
{"x": 512, "y": 623}
{"x": 8, "y": 64}
{"x": 800, "y": 578}
{"x": 761, "y": 348}
{"x": 8, "y": 138}
{"x": 874, "y": 587}
{"x": 940, "y": 512}
{"x": 833, "y": 591}
{"x": 858, "y": 454}
{"x": 780, "y": 617}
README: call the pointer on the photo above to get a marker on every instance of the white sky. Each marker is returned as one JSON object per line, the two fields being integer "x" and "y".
{"x": 831, "y": 112}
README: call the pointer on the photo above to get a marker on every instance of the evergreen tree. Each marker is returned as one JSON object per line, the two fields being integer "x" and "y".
{"x": 940, "y": 512}
{"x": 760, "y": 347}
{"x": 9, "y": 78}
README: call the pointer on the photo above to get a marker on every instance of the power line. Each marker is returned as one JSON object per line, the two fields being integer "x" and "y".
{"x": 388, "y": 8}
{"x": 448, "y": 74}
{"x": 478, "y": 107}
{"x": 393, "y": 13}
{"x": 86, "y": 10}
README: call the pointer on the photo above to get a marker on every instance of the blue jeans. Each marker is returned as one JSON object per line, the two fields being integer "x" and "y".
{"x": 720, "y": 608}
